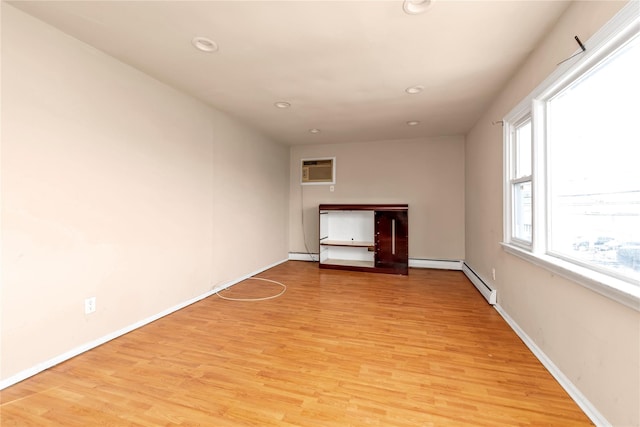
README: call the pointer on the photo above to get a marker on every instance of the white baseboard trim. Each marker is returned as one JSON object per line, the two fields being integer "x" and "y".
{"x": 413, "y": 262}
{"x": 23, "y": 375}
{"x": 303, "y": 256}
{"x": 587, "y": 407}
{"x": 439, "y": 264}
{"x": 489, "y": 294}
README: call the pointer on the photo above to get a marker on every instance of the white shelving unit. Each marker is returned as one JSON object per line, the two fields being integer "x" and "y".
{"x": 347, "y": 238}
{"x": 365, "y": 237}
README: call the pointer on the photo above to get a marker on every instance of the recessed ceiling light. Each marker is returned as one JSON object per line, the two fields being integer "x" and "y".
{"x": 413, "y": 123}
{"x": 282, "y": 104}
{"x": 314, "y": 130}
{"x": 414, "y": 89}
{"x": 415, "y": 7}
{"x": 204, "y": 44}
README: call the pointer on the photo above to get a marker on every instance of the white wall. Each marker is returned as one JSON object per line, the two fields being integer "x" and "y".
{"x": 117, "y": 186}
{"x": 426, "y": 173}
{"x": 594, "y": 341}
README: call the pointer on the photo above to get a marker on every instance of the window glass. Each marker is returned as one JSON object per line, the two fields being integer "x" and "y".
{"x": 593, "y": 145}
{"x": 522, "y": 215}
{"x": 521, "y": 141}
{"x": 523, "y": 149}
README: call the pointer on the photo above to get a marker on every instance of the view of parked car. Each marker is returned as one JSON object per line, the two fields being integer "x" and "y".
{"x": 581, "y": 244}
{"x": 608, "y": 251}
{"x": 628, "y": 254}
{"x": 604, "y": 243}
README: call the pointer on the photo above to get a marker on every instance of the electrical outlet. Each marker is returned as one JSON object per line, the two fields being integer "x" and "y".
{"x": 89, "y": 305}
{"x": 332, "y": 188}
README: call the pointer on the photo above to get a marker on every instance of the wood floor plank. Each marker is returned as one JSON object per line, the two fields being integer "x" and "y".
{"x": 338, "y": 348}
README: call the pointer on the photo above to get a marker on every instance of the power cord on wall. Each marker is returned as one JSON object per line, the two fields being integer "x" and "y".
{"x": 304, "y": 235}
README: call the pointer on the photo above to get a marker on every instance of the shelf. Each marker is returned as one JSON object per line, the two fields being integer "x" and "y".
{"x": 347, "y": 243}
{"x": 346, "y": 207}
{"x": 348, "y": 263}
{"x": 370, "y": 238}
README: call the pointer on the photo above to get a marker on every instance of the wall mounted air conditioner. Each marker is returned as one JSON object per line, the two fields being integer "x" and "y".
{"x": 318, "y": 171}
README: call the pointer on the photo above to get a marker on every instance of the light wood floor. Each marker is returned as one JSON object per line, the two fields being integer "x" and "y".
{"x": 337, "y": 349}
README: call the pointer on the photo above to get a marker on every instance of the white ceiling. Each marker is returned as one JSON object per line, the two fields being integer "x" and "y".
{"x": 342, "y": 65}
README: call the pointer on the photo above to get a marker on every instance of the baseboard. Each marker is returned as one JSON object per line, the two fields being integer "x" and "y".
{"x": 303, "y": 256}
{"x": 587, "y": 407}
{"x": 23, "y": 375}
{"x": 413, "y": 262}
{"x": 439, "y": 264}
{"x": 489, "y": 294}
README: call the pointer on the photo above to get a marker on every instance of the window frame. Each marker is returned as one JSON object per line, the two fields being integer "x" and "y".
{"x": 511, "y": 148}
{"x": 618, "y": 31}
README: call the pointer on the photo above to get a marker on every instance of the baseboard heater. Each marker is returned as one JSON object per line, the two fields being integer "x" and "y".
{"x": 488, "y": 293}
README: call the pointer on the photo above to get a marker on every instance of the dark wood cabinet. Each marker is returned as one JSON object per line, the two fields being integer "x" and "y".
{"x": 372, "y": 238}
{"x": 392, "y": 240}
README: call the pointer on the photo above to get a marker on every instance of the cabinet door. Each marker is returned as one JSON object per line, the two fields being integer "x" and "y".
{"x": 392, "y": 240}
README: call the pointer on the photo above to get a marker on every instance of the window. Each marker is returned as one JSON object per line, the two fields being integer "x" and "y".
{"x": 572, "y": 167}
{"x": 594, "y": 165}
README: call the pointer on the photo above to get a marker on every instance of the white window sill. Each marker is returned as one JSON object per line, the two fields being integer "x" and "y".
{"x": 616, "y": 289}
